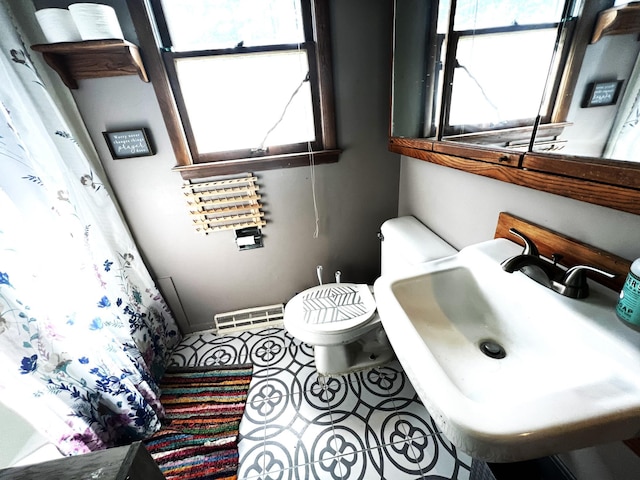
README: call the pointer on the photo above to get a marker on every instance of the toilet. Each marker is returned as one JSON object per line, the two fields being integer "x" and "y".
{"x": 340, "y": 320}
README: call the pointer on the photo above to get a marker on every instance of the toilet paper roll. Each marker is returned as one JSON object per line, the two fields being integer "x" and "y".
{"x": 57, "y": 25}
{"x": 95, "y": 21}
{"x": 246, "y": 241}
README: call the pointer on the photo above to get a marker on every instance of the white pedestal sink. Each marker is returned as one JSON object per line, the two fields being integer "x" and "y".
{"x": 570, "y": 377}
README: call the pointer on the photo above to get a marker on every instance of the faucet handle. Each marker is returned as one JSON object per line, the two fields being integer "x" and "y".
{"x": 529, "y": 247}
{"x": 575, "y": 280}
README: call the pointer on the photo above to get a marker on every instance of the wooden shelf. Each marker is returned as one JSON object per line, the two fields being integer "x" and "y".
{"x": 92, "y": 59}
{"x": 617, "y": 21}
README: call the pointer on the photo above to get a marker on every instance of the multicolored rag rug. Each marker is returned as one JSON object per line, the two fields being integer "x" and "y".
{"x": 204, "y": 406}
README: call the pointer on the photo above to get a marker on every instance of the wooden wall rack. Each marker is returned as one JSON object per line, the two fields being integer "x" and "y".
{"x": 92, "y": 59}
{"x": 225, "y": 204}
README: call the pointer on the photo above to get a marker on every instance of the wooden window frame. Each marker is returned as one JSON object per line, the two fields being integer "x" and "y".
{"x": 193, "y": 165}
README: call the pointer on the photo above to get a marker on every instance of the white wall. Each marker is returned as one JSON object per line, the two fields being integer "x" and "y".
{"x": 611, "y": 58}
{"x": 354, "y": 195}
{"x": 463, "y": 208}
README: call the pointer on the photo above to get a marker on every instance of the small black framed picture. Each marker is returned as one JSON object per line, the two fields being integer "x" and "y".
{"x": 600, "y": 94}
{"x": 129, "y": 143}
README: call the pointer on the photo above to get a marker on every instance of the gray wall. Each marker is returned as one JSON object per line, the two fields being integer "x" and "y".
{"x": 354, "y": 196}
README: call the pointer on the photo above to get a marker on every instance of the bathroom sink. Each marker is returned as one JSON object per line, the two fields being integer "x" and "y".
{"x": 508, "y": 369}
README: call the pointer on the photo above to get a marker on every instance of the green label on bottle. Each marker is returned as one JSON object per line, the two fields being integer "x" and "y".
{"x": 628, "y": 308}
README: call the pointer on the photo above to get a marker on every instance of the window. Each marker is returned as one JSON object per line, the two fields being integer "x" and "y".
{"x": 503, "y": 59}
{"x": 250, "y": 81}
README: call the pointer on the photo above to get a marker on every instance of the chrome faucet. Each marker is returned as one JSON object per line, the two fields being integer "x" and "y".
{"x": 531, "y": 263}
{"x": 570, "y": 283}
{"x": 574, "y": 281}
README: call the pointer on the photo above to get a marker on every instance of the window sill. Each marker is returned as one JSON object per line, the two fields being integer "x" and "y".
{"x": 510, "y": 137}
{"x": 268, "y": 162}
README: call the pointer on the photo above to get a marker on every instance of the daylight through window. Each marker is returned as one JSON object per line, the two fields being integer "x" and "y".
{"x": 245, "y": 76}
{"x": 500, "y": 55}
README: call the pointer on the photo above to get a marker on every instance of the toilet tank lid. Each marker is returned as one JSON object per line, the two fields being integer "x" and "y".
{"x": 414, "y": 241}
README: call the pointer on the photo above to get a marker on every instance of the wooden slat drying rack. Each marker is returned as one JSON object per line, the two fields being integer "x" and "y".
{"x": 225, "y": 204}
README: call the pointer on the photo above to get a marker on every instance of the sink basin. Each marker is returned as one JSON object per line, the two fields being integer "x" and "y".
{"x": 508, "y": 369}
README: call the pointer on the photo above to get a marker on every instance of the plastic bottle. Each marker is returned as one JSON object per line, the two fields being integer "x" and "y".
{"x": 628, "y": 309}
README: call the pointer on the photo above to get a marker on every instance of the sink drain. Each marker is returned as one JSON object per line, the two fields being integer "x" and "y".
{"x": 492, "y": 349}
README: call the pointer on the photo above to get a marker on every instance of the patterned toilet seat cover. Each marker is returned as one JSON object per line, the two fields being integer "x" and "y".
{"x": 336, "y": 306}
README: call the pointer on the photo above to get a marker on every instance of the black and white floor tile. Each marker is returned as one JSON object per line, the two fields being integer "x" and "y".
{"x": 301, "y": 426}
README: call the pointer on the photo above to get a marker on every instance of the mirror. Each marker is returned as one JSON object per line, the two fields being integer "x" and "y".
{"x": 602, "y": 99}
{"x": 411, "y": 84}
{"x": 543, "y": 76}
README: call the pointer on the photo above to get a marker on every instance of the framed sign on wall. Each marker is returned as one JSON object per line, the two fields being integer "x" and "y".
{"x": 599, "y": 94}
{"x": 129, "y": 143}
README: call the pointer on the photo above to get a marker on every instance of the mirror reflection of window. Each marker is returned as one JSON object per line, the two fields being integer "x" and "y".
{"x": 507, "y": 65}
{"x": 499, "y": 78}
{"x": 476, "y": 14}
{"x": 502, "y": 52}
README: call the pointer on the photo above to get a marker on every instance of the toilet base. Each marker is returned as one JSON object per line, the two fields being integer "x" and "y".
{"x": 371, "y": 350}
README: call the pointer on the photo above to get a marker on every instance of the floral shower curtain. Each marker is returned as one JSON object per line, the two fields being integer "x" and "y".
{"x": 84, "y": 333}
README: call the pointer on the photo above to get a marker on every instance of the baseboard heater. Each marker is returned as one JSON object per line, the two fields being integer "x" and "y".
{"x": 240, "y": 320}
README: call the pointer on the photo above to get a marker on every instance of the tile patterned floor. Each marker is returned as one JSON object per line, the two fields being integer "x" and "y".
{"x": 298, "y": 425}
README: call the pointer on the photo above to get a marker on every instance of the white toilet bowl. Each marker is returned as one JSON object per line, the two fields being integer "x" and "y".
{"x": 339, "y": 319}
{"x": 341, "y": 322}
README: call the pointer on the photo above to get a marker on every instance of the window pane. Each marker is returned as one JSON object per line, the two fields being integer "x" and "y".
{"x": 234, "y": 101}
{"x": 444, "y": 7}
{"x": 477, "y": 14}
{"x": 500, "y": 77}
{"x": 215, "y": 24}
